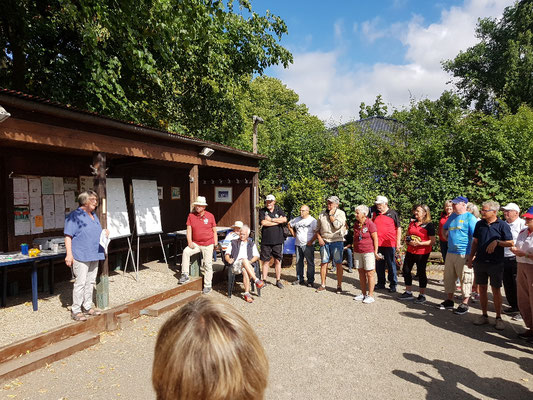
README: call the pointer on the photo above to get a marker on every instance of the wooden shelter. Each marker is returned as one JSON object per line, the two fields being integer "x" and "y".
{"x": 45, "y": 139}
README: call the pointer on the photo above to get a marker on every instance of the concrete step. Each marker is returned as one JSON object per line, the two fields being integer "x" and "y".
{"x": 169, "y": 304}
{"x": 39, "y": 358}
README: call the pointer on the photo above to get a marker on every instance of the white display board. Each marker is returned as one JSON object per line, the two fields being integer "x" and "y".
{"x": 146, "y": 205}
{"x": 117, "y": 213}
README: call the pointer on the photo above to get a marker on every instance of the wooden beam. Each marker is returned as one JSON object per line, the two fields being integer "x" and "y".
{"x": 21, "y": 132}
{"x": 193, "y": 185}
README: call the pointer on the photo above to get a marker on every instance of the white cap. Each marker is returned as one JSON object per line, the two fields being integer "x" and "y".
{"x": 511, "y": 207}
{"x": 382, "y": 200}
{"x": 270, "y": 197}
{"x": 200, "y": 201}
{"x": 237, "y": 224}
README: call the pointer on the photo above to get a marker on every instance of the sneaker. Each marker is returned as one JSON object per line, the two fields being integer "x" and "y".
{"x": 421, "y": 299}
{"x": 499, "y": 324}
{"x": 379, "y": 287}
{"x": 248, "y": 298}
{"x": 339, "y": 290}
{"x": 333, "y": 270}
{"x": 321, "y": 289}
{"x": 350, "y": 270}
{"x": 406, "y": 296}
{"x": 447, "y": 305}
{"x": 206, "y": 290}
{"x": 359, "y": 297}
{"x": 259, "y": 284}
{"x": 527, "y": 335}
{"x": 369, "y": 300}
{"x": 474, "y": 297}
{"x": 517, "y": 317}
{"x": 481, "y": 320}
{"x": 461, "y": 309}
{"x": 279, "y": 284}
{"x": 310, "y": 284}
{"x": 510, "y": 310}
{"x": 297, "y": 282}
{"x": 184, "y": 279}
{"x": 392, "y": 289}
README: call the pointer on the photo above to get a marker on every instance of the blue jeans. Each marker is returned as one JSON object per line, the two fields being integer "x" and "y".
{"x": 349, "y": 257}
{"x": 306, "y": 253}
{"x": 389, "y": 263}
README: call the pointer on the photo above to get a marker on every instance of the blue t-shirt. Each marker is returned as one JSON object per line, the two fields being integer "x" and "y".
{"x": 85, "y": 233}
{"x": 460, "y": 232}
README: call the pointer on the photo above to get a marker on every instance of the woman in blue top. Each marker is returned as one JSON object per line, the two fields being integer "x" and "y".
{"x": 82, "y": 243}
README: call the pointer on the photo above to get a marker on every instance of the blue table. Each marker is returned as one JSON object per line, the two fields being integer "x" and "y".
{"x": 18, "y": 259}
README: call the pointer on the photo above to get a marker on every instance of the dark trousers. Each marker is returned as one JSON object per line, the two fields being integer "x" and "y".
{"x": 509, "y": 281}
{"x": 421, "y": 261}
{"x": 306, "y": 253}
{"x": 444, "y": 250}
{"x": 389, "y": 263}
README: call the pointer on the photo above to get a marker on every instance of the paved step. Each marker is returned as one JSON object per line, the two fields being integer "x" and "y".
{"x": 39, "y": 358}
{"x": 169, "y": 304}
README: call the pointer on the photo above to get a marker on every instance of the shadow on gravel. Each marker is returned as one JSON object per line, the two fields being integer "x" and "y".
{"x": 463, "y": 325}
{"x": 457, "y": 382}
{"x": 526, "y": 363}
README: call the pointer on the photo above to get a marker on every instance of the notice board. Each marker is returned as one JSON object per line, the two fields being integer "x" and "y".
{"x": 146, "y": 206}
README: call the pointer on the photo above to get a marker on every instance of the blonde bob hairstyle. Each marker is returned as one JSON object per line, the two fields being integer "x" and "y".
{"x": 427, "y": 216}
{"x": 207, "y": 350}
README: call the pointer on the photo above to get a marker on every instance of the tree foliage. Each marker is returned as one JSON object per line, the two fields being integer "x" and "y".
{"x": 497, "y": 73}
{"x": 178, "y": 65}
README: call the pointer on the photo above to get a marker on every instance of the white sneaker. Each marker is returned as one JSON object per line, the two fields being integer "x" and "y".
{"x": 369, "y": 300}
{"x": 359, "y": 297}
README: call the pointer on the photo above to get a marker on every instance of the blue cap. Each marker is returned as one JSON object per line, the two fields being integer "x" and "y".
{"x": 460, "y": 199}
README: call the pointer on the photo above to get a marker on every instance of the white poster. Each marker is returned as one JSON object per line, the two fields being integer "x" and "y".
{"x": 70, "y": 201}
{"x": 37, "y": 225}
{"x": 48, "y": 211}
{"x": 58, "y": 185}
{"x": 59, "y": 207}
{"x": 22, "y": 221}
{"x": 35, "y": 188}
{"x": 35, "y": 205}
{"x": 70, "y": 184}
{"x": 20, "y": 191}
{"x": 47, "y": 185}
{"x": 86, "y": 183}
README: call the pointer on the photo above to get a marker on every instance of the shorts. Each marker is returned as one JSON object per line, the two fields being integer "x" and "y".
{"x": 271, "y": 250}
{"x": 366, "y": 261}
{"x": 331, "y": 251}
{"x": 483, "y": 270}
{"x": 237, "y": 267}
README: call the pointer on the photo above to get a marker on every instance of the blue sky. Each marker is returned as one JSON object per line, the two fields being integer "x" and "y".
{"x": 347, "y": 52}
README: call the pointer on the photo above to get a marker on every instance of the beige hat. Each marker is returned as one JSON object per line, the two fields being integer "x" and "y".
{"x": 511, "y": 207}
{"x": 270, "y": 197}
{"x": 237, "y": 224}
{"x": 200, "y": 201}
{"x": 381, "y": 200}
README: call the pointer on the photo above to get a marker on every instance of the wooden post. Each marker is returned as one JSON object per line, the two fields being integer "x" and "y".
{"x": 255, "y": 204}
{"x": 99, "y": 171}
{"x": 193, "y": 185}
{"x": 257, "y": 120}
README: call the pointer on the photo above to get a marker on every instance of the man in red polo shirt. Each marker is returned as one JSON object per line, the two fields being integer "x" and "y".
{"x": 201, "y": 237}
{"x": 389, "y": 235}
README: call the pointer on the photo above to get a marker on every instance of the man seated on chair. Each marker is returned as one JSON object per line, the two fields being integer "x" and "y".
{"x": 240, "y": 255}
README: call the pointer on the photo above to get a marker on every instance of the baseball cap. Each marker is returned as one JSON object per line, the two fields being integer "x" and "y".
{"x": 511, "y": 207}
{"x": 270, "y": 197}
{"x": 333, "y": 199}
{"x": 381, "y": 200}
{"x": 237, "y": 224}
{"x": 460, "y": 199}
{"x": 529, "y": 213}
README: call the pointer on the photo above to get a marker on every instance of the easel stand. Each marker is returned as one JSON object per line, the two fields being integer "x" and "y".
{"x": 138, "y": 251}
{"x": 130, "y": 254}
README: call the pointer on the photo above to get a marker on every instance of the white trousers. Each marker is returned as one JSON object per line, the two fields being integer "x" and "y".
{"x": 82, "y": 294}
{"x": 207, "y": 262}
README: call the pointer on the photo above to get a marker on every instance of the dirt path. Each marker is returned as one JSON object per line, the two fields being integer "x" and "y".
{"x": 320, "y": 345}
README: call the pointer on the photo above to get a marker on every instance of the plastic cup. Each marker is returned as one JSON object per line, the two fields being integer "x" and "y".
{"x": 24, "y": 248}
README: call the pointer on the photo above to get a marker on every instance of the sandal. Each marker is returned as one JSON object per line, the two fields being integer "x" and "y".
{"x": 93, "y": 312}
{"x": 78, "y": 317}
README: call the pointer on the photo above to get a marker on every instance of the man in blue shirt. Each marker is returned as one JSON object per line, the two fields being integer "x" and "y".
{"x": 460, "y": 229}
{"x": 490, "y": 237}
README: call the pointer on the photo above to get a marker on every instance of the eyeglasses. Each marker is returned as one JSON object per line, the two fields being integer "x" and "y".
{"x": 488, "y": 210}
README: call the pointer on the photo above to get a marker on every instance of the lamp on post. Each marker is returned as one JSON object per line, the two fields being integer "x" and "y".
{"x": 4, "y": 114}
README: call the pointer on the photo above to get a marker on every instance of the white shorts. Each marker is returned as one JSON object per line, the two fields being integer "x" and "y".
{"x": 366, "y": 261}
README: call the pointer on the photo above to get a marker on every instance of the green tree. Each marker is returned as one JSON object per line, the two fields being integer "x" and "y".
{"x": 378, "y": 109}
{"x": 497, "y": 73}
{"x": 178, "y": 65}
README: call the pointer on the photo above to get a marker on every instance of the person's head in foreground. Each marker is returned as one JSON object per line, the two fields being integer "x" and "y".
{"x": 207, "y": 350}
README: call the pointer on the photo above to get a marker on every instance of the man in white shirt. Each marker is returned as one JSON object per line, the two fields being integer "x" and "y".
{"x": 511, "y": 213}
{"x": 241, "y": 254}
{"x": 303, "y": 229}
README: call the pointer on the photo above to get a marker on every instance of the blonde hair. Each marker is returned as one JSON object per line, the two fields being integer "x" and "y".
{"x": 474, "y": 210}
{"x": 427, "y": 217}
{"x": 207, "y": 350}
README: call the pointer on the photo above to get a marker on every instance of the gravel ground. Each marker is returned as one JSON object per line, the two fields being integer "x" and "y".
{"x": 19, "y": 321}
{"x": 320, "y": 345}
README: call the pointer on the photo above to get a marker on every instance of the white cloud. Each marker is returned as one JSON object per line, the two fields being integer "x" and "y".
{"x": 333, "y": 91}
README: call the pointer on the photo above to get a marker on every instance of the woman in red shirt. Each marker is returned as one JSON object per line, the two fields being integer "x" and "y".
{"x": 420, "y": 239}
{"x": 443, "y": 240}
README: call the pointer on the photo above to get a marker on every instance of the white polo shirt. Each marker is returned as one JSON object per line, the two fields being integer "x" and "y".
{"x": 524, "y": 242}
{"x": 516, "y": 226}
